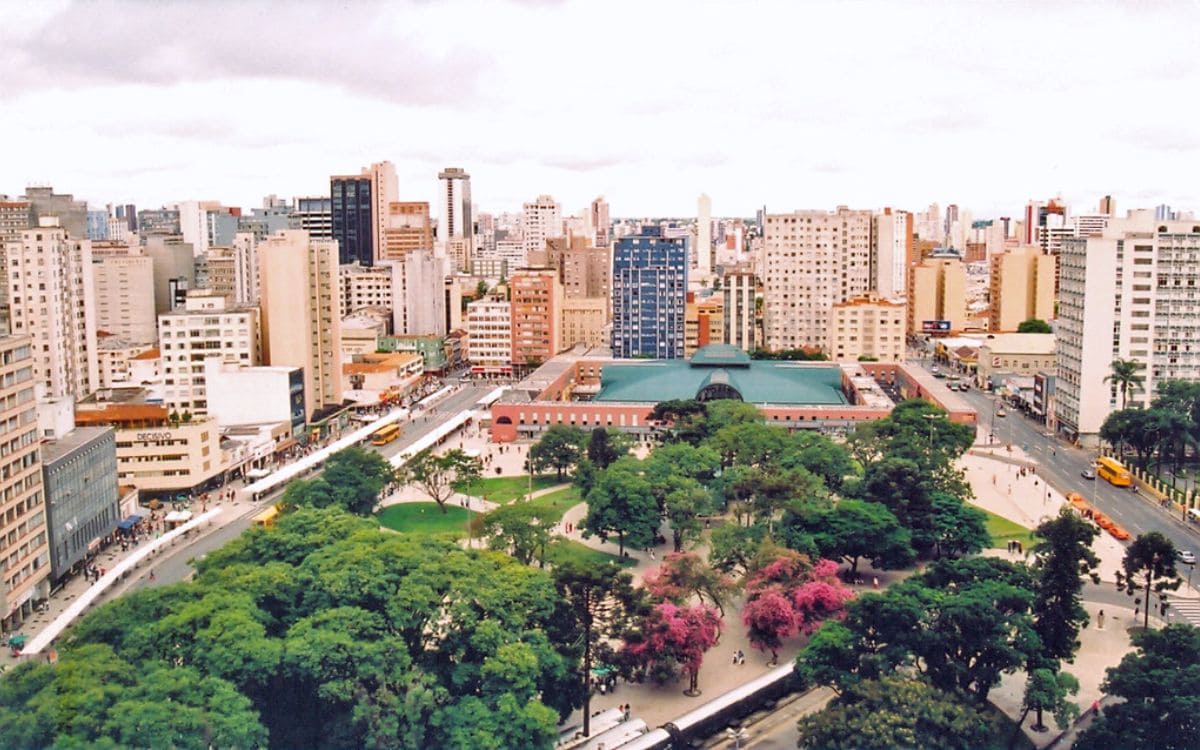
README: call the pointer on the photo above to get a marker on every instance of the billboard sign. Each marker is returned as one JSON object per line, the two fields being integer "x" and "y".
{"x": 935, "y": 326}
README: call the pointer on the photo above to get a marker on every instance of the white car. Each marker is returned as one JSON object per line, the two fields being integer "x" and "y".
{"x": 1187, "y": 557}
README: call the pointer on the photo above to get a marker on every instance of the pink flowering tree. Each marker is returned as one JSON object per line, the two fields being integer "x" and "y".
{"x": 788, "y": 595}
{"x": 684, "y": 575}
{"x": 673, "y": 638}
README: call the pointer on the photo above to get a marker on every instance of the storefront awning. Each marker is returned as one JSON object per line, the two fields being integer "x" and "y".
{"x": 129, "y": 523}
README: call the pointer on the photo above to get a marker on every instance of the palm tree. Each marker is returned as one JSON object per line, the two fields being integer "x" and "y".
{"x": 1125, "y": 377}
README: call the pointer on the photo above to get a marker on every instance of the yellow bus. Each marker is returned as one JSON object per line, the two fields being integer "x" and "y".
{"x": 266, "y": 518}
{"x": 385, "y": 435}
{"x": 1113, "y": 471}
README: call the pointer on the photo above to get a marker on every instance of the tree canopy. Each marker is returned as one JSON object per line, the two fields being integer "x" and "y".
{"x": 352, "y": 479}
{"x": 560, "y": 447}
{"x": 1034, "y": 325}
{"x": 440, "y": 476}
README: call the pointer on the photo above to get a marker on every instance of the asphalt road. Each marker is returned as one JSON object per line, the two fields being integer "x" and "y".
{"x": 178, "y": 566}
{"x": 1062, "y": 465}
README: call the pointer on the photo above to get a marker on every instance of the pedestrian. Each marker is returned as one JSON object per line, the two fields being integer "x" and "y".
{"x": 875, "y": 582}
{"x": 741, "y": 657}
{"x": 1100, "y": 620}
{"x": 1096, "y": 706}
{"x": 151, "y": 574}
{"x": 651, "y": 553}
{"x": 735, "y": 656}
{"x": 628, "y": 711}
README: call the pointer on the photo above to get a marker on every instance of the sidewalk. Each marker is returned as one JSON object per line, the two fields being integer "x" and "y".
{"x": 1027, "y": 500}
{"x": 107, "y": 559}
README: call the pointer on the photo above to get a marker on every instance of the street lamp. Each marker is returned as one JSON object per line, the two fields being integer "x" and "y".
{"x": 931, "y": 418}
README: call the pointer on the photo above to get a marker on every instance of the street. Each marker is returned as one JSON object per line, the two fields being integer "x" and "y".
{"x": 1061, "y": 464}
{"x": 178, "y": 565}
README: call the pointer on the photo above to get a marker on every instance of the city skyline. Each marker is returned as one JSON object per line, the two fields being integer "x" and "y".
{"x": 982, "y": 106}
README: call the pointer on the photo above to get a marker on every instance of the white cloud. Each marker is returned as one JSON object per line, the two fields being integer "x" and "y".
{"x": 785, "y": 104}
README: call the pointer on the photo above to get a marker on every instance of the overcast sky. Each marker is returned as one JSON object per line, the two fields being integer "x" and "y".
{"x": 788, "y": 104}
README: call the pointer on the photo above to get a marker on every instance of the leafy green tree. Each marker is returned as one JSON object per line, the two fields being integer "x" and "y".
{"x": 957, "y": 528}
{"x": 1034, "y": 325}
{"x": 440, "y": 476}
{"x": 1133, "y": 428}
{"x": 854, "y": 529}
{"x": 684, "y": 507}
{"x": 1125, "y": 377}
{"x": 895, "y": 712}
{"x": 819, "y": 454}
{"x": 560, "y": 447}
{"x": 685, "y": 421}
{"x": 521, "y": 529}
{"x": 622, "y": 504}
{"x": 1062, "y": 557}
{"x": 595, "y": 603}
{"x": 732, "y": 546}
{"x": 606, "y": 446}
{"x": 1048, "y": 690}
{"x": 1159, "y": 683}
{"x": 1151, "y": 557}
{"x": 357, "y": 477}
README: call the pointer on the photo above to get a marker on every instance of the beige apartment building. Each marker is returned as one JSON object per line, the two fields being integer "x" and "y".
{"x": 154, "y": 454}
{"x": 489, "y": 336}
{"x": 937, "y": 291}
{"x": 867, "y": 327}
{"x": 116, "y": 355}
{"x": 810, "y": 261}
{"x": 740, "y": 291}
{"x": 536, "y": 296}
{"x": 703, "y": 322}
{"x": 206, "y": 327}
{"x": 124, "y": 282}
{"x": 51, "y": 298}
{"x": 1016, "y": 353}
{"x": 584, "y": 269}
{"x": 1021, "y": 287}
{"x": 408, "y": 228}
{"x": 584, "y": 321}
{"x": 299, "y": 303}
{"x": 24, "y": 545}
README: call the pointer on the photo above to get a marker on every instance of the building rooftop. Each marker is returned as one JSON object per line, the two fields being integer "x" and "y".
{"x": 1019, "y": 343}
{"x": 722, "y": 371}
{"x": 53, "y": 450}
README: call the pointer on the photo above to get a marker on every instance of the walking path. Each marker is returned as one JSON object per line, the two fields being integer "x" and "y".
{"x": 1027, "y": 500}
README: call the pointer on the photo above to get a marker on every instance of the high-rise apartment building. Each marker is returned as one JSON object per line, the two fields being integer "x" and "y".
{"x": 937, "y": 295}
{"x": 174, "y": 271}
{"x": 893, "y": 253}
{"x": 650, "y": 274}
{"x": 584, "y": 321}
{"x": 703, "y": 236}
{"x": 811, "y": 260}
{"x": 601, "y": 222}
{"x": 869, "y": 328}
{"x": 205, "y": 327}
{"x": 15, "y": 216}
{"x": 352, "y": 221}
{"x": 124, "y": 290}
{"x": 314, "y": 214}
{"x": 489, "y": 336}
{"x": 1129, "y": 293}
{"x": 1021, "y": 287}
{"x": 72, "y": 214}
{"x": 158, "y": 221}
{"x": 540, "y": 221}
{"x": 299, "y": 302}
{"x": 97, "y": 224}
{"x": 408, "y": 228}
{"x": 582, "y": 268}
{"x": 24, "y": 546}
{"x": 537, "y": 298}
{"x": 425, "y": 303}
{"x": 380, "y": 286}
{"x": 739, "y": 290}
{"x": 51, "y": 299}
{"x": 456, "y": 225}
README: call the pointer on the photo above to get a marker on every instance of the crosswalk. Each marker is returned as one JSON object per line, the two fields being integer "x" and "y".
{"x": 1186, "y": 610}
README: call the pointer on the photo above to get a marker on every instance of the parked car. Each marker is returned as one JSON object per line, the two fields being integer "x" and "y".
{"x": 1088, "y": 474}
{"x": 1001, "y": 413}
{"x": 1187, "y": 557}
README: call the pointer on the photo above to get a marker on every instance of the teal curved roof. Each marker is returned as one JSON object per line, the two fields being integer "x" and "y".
{"x": 720, "y": 355}
{"x": 758, "y": 381}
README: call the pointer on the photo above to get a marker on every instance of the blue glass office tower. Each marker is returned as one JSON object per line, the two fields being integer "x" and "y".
{"x": 350, "y": 199}
{"x": 649, "y": 279}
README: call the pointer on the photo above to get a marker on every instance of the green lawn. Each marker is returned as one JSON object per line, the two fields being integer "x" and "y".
{"x": 425, "y": 518}
{"x": 505, "y": 489}
{"x": 562, "y": 550}
{"x": 555, "y": 504}
{"x": 1003, "y": 531}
